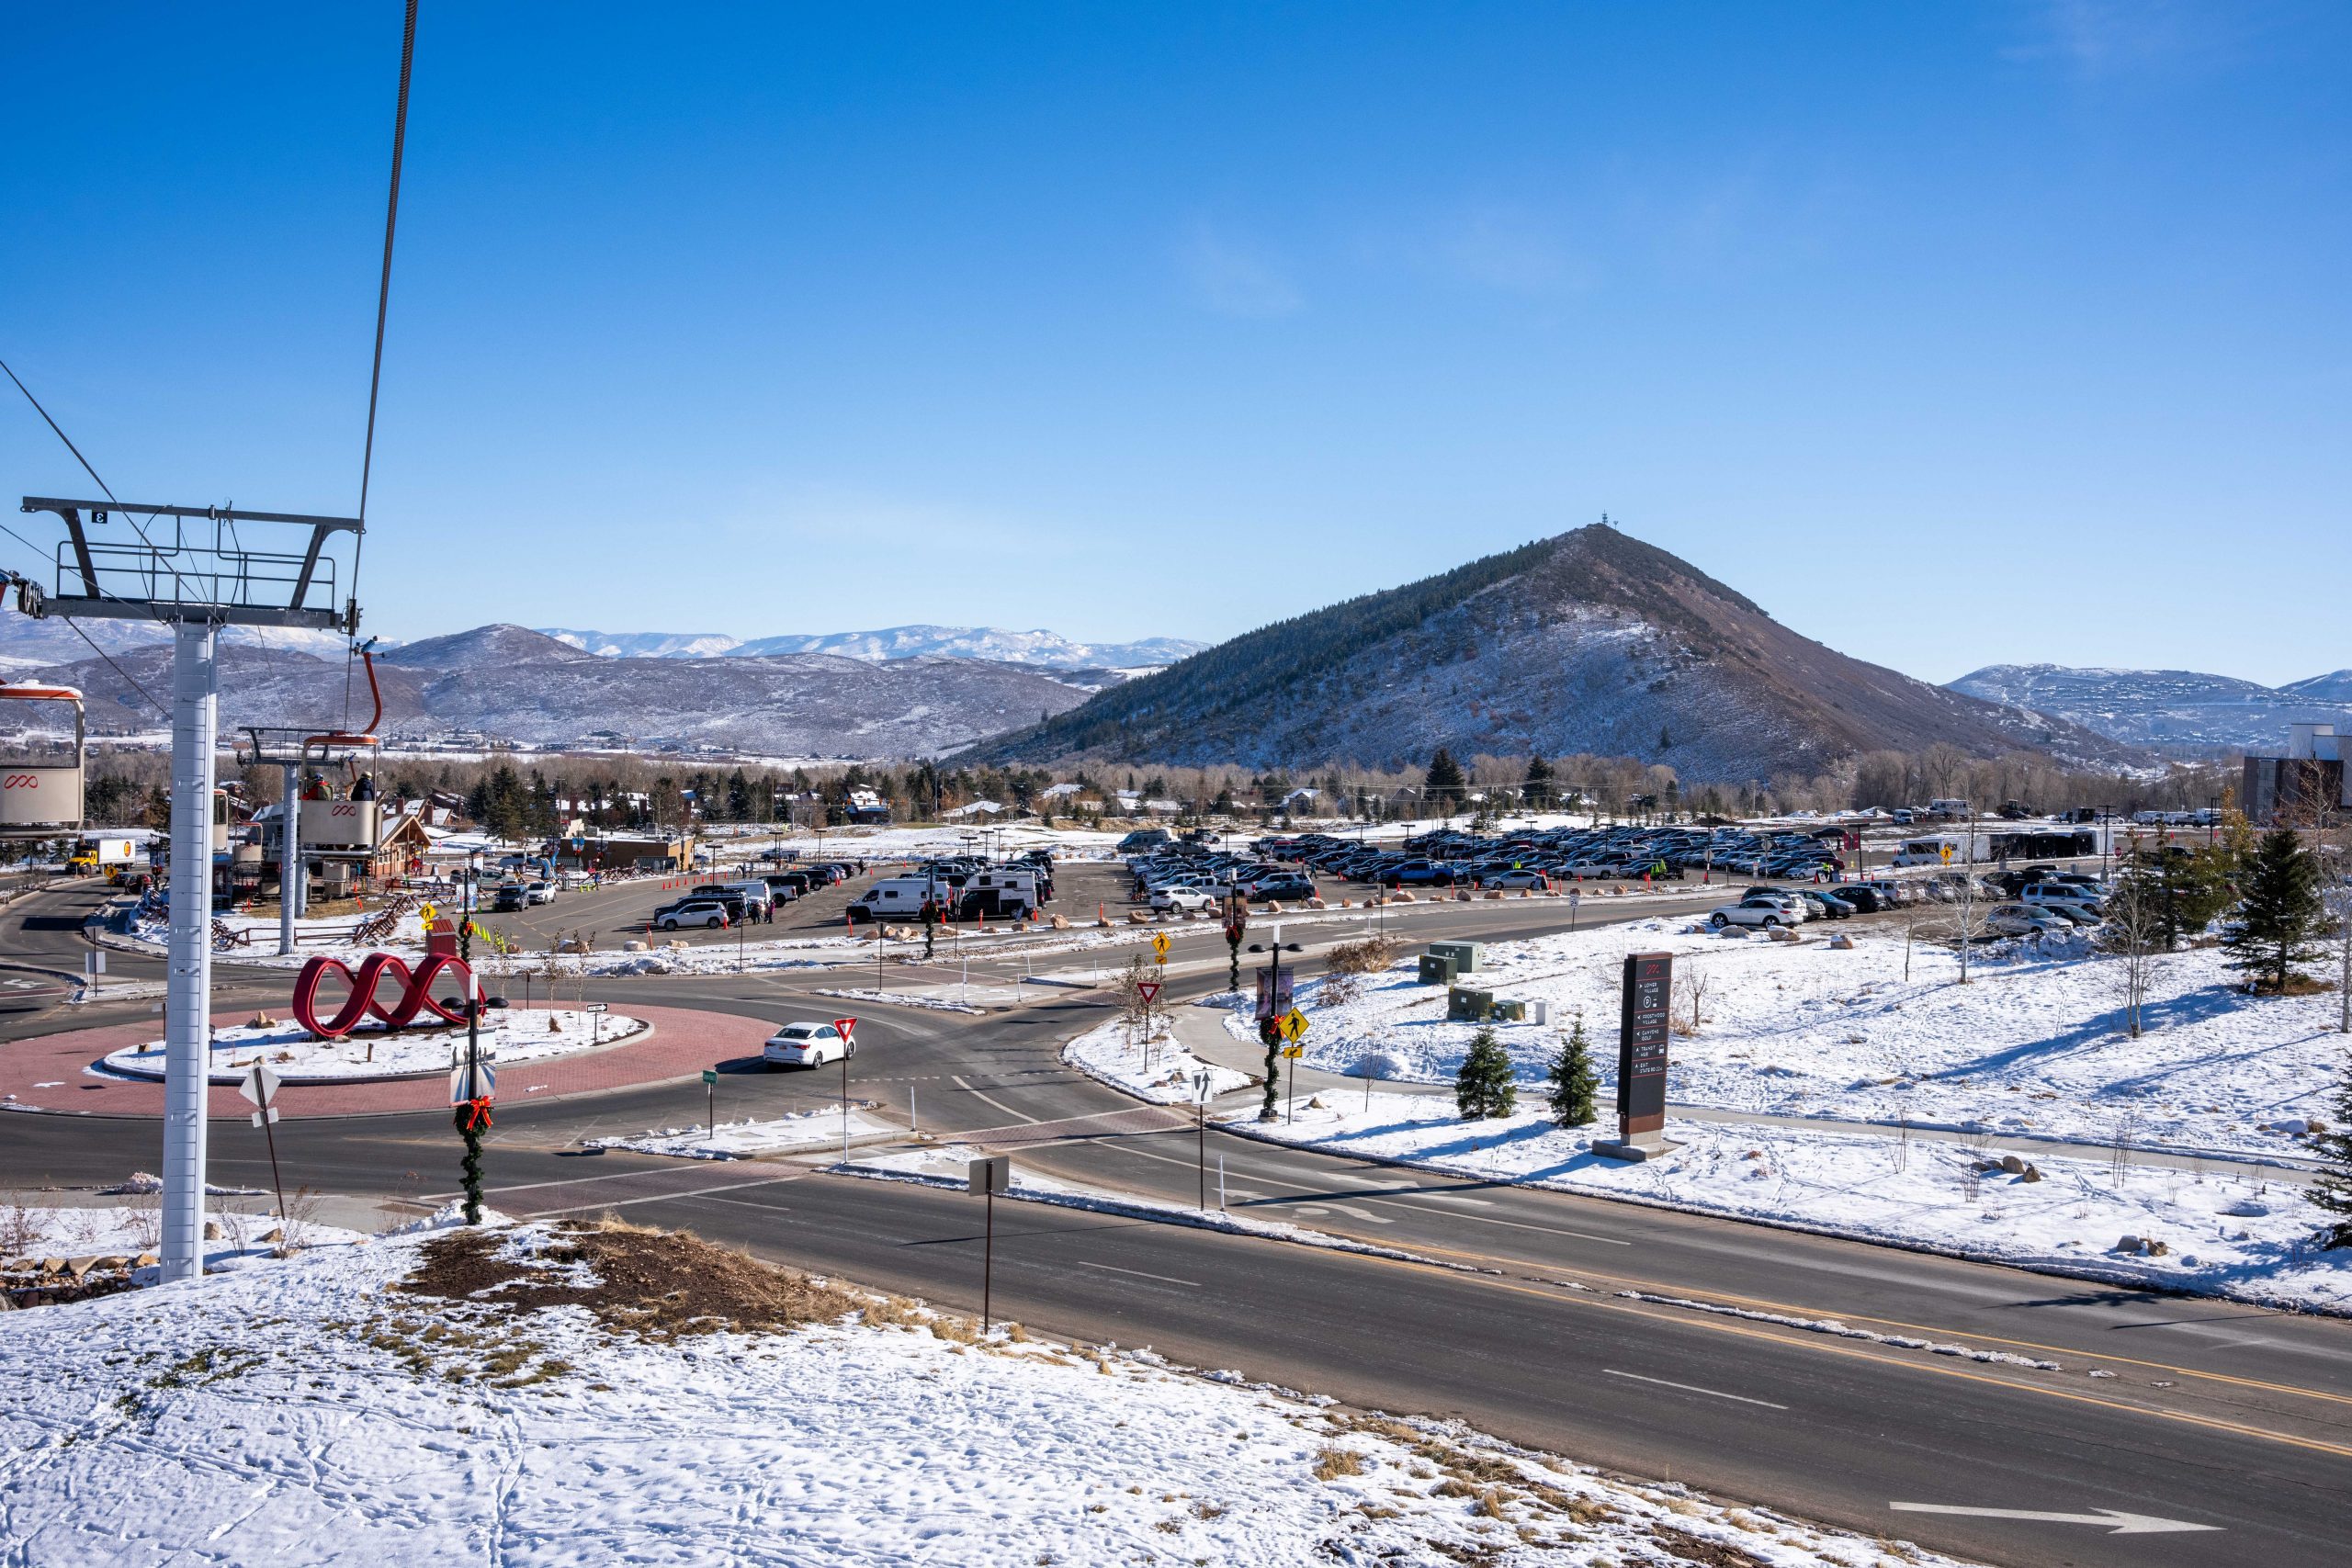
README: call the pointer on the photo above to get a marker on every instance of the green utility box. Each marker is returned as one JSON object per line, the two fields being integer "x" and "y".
{"x": 1466, "y": 954}
{"x": 1464, "y": 1005}
{"x": 1436, "y": 970}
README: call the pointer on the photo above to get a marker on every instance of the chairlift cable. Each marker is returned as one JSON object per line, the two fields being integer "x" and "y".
{"x": 75, "y": 627}
{"x": 383, "y": 306}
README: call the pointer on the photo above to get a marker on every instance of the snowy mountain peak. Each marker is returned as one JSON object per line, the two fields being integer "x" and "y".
{"x": 2179, "y": 709}
{"x": 1046, "y": 649}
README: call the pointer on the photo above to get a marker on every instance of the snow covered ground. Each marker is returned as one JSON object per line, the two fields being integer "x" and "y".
{"x": 393, "y": 1402}
{"x": 2230, "y": 1236}
{"x": 1149, "y": 1065}
{"x": 32, "y": 1231}
{"x": 2034, "y": 1043}
{"x": 509, "y": 1036}
{"x": 748, "y": 1139}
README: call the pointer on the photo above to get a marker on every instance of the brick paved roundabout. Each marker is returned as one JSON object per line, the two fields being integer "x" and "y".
{"x": 53, "y": 1072}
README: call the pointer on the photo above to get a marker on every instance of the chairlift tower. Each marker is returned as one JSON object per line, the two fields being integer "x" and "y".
{"x": 195, "y": 584}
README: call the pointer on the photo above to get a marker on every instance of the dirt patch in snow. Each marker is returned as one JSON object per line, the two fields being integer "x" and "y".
{"x": 656, "y": 1284}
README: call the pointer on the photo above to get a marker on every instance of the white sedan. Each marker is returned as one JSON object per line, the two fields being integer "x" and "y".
{"x": 806, "y": 1045}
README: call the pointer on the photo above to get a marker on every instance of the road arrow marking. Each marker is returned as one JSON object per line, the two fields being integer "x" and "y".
{"x": 2116, "y": 1523}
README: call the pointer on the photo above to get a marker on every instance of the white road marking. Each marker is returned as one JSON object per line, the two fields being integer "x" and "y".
{"x": 2119, "y": 1523}
{"x": 1364, "y": 1214}
{"x": 1448, "y": 1192}
{"x": 1018, "y": 1116}
{"x": 1165, "y": 1280}
{"x": 1693, "y": 1388}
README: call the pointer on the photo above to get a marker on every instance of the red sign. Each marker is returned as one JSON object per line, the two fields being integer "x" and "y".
{"x": 362, "y": 1002}
{"x": 844, "y": 1027}
{"x": 1148, "y": 990}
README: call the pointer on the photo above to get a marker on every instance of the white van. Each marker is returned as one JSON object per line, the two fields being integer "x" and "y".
{"x": 896, "y": 899}
{"x": 754, "y": 893}
{"x": 1925, "y": 852}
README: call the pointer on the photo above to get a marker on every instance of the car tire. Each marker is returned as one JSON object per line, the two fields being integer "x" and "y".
{"x": 1770, "y": 920}
{"x": 1717, "y": 920}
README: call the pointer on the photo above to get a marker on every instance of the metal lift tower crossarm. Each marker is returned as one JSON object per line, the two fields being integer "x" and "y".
{"x": 196, "y": 588}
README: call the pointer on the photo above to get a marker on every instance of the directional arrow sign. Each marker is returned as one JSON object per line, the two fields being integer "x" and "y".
{"x": 2116, "y": 1523}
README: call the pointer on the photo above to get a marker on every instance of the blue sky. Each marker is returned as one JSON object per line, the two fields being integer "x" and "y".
{"x": 1952, "y": 334}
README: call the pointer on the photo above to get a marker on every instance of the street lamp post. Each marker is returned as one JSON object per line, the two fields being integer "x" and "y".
{"x": 1270, "y": 1026}
{"x": 472, "y": 1111}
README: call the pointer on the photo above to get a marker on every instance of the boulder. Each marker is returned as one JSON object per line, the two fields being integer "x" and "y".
{"x": 1842, "y": 942}
{"x": 2031, "y": 1173}
{"x": 1059, "y": 922}
{"x": 2129, "y": 1244}
{"x": 1783, "y": 933}
{"x": 2158, "y": 1248}
{"x": 2013, "y": 1165}
{"x": 213, "y": 1230}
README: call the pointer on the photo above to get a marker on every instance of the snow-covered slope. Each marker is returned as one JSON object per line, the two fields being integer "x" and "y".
{"x": 2177, "y": 708}
{"x": 551, "y": 1395}
{"x": 1046, "y": 648}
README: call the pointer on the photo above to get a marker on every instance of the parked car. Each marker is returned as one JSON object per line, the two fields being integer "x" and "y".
{"x": 707, "y": 913}
{"x": 2023, "y": 919}
{"x": 1760, "y": 912}
{"x": 1289, "y": 888}
{"x": 539, "y": 891}
{"x": 1182, "y": 900}
{"x": 1516, "y": 877}
{"x": 806, "y": 1045}
{"x": 1828, "y": 904}
{"x": 510, "y": 899}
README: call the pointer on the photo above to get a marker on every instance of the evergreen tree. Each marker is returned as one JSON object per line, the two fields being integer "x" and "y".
{"x": 1539, "y": 783}
{"x": 2333, "y": 1190}
{"x": 2280, "y": 914}
{"x": 1485, "y": 1088}
{"x": 1445, "y": 782}
{"x": 1573, "y": 1082}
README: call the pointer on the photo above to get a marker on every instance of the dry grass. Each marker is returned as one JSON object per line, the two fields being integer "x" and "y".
{"x": 1333, "y": 1462}
{"x": 1369, "y": 956}
{"x": 658, "y": 1284}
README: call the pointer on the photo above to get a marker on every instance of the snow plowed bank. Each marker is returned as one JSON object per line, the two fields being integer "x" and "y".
{"x": 558, "y": 1394}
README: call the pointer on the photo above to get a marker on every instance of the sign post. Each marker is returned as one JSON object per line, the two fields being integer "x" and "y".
{"x": 710, "y": 1101}
{"x": 1643, "y": 1030}
{"x": 1293, "y": 1027}
{"x": 1147, "y": 992}
{"x": 1201, "y": 1081}
{"x": 847, "y": 1029}
{"x": 260, "y": 1089}
{"x": 989, "y": 1177}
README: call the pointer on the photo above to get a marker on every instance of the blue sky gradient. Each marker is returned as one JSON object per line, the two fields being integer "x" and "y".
{"x": 1952, "y": 334}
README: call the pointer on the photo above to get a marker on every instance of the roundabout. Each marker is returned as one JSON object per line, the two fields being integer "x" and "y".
{"x": 510, "y": 1037}
{"x": 81, "y": 1072}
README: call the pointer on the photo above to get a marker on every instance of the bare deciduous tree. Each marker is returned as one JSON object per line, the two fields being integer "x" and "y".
{"x": 1690, "y": 985}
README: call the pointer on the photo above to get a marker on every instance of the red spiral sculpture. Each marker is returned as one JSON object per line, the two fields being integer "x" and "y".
{"x": 362, "y": 1002}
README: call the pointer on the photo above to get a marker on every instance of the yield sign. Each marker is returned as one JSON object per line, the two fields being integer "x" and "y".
{"x": 1148, "y": 990}
{"x": 846, "y": 1027}
{"x": 259, "y": 1087}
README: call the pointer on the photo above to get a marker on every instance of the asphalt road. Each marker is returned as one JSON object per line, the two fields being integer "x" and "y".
{"x": 2214, "y": 1415}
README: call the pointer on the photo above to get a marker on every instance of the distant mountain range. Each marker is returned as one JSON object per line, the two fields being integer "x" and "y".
{"x": 2167, "y": 709}
{"x": 1591, "y": 641}
{"x": 1047, "y": 650}
{"x": 511, "y": 681}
